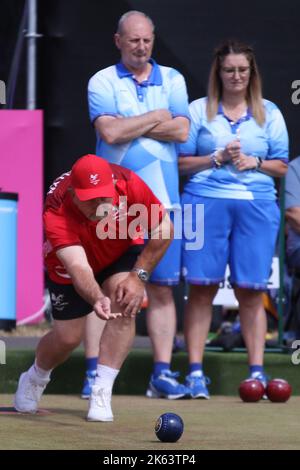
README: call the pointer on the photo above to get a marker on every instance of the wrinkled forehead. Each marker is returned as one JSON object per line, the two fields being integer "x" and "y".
{"x": 137, "y": 25}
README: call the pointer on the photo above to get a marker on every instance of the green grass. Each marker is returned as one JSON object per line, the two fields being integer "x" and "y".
{"x": 219, "y": 423}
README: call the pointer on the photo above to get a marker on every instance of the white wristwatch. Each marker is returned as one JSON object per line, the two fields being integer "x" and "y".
{"x": 142, "y": 274}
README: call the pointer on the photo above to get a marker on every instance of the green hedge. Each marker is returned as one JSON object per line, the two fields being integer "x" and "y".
{"x": 226, "y": 370}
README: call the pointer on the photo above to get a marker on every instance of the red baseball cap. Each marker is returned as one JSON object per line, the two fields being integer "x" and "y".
{"x": 92, "y": 177}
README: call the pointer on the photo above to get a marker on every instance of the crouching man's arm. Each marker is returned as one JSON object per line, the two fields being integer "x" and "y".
{"x": 130, "y": 292}
{"x": 77, "y": 265}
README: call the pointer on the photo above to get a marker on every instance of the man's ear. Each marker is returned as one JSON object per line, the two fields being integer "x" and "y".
{"x": 117, "y": 40}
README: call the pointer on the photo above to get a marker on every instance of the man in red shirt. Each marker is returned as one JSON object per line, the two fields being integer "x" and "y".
{"x": 96, "y": 261}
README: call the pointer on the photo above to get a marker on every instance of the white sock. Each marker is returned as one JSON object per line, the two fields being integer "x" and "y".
{"x": 106, "y": 376}
{"x": 40, "y": 373}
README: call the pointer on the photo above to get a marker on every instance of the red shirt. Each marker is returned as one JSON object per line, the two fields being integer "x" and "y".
{"x": 65, "y": 225}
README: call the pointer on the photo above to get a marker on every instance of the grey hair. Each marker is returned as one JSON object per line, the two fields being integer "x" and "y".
{"x": 126, "y": 15}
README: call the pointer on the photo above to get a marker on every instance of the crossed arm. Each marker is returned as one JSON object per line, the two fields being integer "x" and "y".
{"x": 158, "y": 125}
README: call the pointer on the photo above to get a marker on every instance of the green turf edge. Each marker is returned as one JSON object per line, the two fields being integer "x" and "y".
{"x": 226, "y": 370}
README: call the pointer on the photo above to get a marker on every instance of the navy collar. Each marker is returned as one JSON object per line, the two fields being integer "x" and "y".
{"x": 235, "y": 125}
{"x": 247, "y": 116}
{"x": 155, "y": 77}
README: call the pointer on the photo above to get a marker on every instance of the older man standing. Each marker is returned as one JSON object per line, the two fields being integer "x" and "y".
{"x": 140, "y": 111}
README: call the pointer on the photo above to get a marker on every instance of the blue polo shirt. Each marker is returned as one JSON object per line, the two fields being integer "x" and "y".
{"x": 269, "y": 142}
{"x": 292, "y": 199}
{"x": 114, "y": 91}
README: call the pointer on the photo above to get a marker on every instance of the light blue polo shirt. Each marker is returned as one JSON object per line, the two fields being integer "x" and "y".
{"x": 269, "y": 142}
{"x": 114, "y": 91}
{"x": 292, "y": 199}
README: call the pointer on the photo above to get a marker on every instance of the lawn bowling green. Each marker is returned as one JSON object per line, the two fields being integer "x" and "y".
{"x": 218, "y": 423}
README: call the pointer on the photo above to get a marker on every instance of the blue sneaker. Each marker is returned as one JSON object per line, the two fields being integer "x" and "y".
{"x": 197, "y": 384}
{"x": 263, "y": 379}
{"x": 87, "y": 384}
{"x": 166, "y": 386}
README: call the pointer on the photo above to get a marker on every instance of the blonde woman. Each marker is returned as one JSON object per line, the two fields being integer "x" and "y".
{"x": 237, "y": 143}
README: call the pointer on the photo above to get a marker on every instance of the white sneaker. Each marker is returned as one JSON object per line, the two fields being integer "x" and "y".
{"x": 100, "y": 404}
{"x": 29, "y": 393}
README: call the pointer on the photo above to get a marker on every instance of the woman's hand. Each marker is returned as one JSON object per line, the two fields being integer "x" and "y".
{"x": 232, "y": 151}
{"x": 244, "y": 162}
